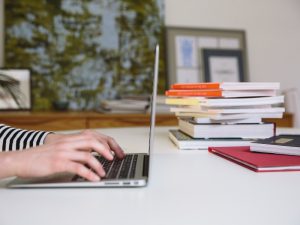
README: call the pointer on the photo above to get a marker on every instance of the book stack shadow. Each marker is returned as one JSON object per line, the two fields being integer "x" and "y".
{"x": 223, "y": 114}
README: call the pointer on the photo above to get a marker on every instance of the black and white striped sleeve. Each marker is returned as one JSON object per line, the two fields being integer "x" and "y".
{"x": 12, "y": 139}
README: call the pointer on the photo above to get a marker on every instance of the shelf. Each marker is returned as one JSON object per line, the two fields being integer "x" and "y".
{"x": 80, "y": 120}
{"x": 54, "y": 121}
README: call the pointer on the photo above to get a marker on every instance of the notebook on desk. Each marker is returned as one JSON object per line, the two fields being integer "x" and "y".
{"x": 258, "y": 162}
{"x": 132, "y": 171}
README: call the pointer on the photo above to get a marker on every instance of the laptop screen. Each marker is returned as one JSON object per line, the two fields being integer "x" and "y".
{"x": 153, "y": 99}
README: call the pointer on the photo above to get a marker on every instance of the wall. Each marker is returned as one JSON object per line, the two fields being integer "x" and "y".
{"x": 272, "y": 28}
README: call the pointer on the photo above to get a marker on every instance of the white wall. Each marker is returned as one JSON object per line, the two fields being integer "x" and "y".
{"x": 272, "y": 29}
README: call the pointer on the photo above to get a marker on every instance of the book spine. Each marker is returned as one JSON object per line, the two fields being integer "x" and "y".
{"x": 200, "y": 93}
{"x": 193, "y": 86}
{"x": 171, "y": 101}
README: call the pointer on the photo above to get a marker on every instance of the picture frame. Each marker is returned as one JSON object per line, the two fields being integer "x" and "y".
{"x": 221, "y": 65}
{"x": 15, "y": 89}
{"x": 184, "y": 46}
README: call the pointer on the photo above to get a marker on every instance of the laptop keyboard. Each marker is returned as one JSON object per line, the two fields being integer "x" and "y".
{"x": 117, "y": 168}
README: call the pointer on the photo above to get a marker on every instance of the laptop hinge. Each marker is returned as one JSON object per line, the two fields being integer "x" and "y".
{"x": 146, "y": 166}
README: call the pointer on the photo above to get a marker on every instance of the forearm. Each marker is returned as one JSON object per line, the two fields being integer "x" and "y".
{"x": 7, "y": 164}
{"x": 16, "y": 139}
{"x": 52, "y": 137}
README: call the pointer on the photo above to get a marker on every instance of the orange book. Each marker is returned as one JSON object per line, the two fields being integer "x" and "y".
{"x": 203, "y": 93}
{"x": 227, "y": 86}
{"x": 188, "y": 86}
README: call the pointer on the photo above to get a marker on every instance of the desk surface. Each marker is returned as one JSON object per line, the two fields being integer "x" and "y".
{"x": 186, "y": 187}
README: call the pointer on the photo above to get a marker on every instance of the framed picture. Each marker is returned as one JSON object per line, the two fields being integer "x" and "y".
{"x": 184, "y": 51}
{"x": 223, "y": 65}
{"x": 53, "y": 45}
{"x": 15, "y": 89}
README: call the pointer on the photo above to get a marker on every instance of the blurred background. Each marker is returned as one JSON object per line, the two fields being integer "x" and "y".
{"x": 84, "y": 52}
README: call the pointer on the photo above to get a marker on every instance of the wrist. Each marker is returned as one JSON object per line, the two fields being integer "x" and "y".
{"x": 50, "y": 138}
{"x": 8, "y": 164}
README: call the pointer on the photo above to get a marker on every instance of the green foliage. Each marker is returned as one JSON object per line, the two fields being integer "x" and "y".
{"x": 60, "y": 41}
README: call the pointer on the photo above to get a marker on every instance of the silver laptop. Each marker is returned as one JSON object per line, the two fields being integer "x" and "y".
{"x": 132, "y": 171}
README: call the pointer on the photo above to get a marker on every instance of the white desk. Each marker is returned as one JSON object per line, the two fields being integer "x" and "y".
{"x": 186, "y": 188}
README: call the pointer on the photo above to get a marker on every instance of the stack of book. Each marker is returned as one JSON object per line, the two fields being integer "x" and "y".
{"x": 218, "y": 112}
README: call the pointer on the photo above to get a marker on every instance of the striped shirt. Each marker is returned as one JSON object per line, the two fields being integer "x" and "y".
{"x": 12, "y": 139}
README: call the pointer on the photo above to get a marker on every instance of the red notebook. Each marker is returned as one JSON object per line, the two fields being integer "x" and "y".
{"x": 258, "y": 162}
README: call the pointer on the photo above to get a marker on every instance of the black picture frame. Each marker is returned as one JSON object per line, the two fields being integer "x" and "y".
{"x": 213, "y": 38}
{"x": 229, "y": 65}
{"x": 15, "y": 89}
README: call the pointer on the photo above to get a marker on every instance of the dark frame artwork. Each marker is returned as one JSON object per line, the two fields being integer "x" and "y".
{"x": 15, "y": 89}
{"x": 228, "y": 65}
{"x": 184, "y": 46}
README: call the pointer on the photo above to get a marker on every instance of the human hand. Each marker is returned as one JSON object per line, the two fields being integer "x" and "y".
{"x": 107, "y": 141}
{"x": 67, "y": 153}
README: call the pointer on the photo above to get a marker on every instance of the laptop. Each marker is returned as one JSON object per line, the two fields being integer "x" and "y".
{"x": 132, "y": 171}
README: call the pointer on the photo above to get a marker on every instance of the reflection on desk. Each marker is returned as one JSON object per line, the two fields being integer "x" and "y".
{"x": 186, "y": 187}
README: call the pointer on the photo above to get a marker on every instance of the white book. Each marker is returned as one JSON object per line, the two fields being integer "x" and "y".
{"x": 228, "y": 121}
{"x": 185, "y": 142}
{"x": 252, "y": 131}
{"x": 248, "y": 93}
{"x": 229, "y": 116}
{"x": 248, "y": 110}
{"x": 244, "y": 101}
{"x": 285, "y": 144}
{"x": 250, "y": 86}
{"x": 225, "y": 102}
{"x": 228, "y": 110}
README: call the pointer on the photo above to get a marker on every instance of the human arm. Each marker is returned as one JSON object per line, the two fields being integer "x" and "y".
{"x": 61, "y": 153}
{"x": 12, "y": 139}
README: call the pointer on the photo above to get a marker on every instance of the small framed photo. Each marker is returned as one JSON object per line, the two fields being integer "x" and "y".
{"x": 184, "y": 46}
{"x": 223, "y": 65}
{"x": 15, "y": 89}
